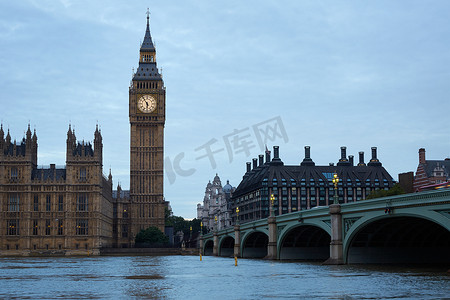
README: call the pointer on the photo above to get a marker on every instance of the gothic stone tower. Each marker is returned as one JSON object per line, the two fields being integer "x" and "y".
{"x": 147, "y": 105}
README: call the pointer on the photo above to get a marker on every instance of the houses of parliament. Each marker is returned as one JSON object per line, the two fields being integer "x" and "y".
{"x": 74, "y": 210}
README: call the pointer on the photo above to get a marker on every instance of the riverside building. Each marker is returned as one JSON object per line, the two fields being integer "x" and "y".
{"x": 305, "y": 186}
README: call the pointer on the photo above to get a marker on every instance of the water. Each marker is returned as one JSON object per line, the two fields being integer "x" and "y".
{"x": 185, "y": 277}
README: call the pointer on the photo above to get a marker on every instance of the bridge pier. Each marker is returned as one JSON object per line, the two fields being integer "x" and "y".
{"x": 237, "y": 240}
{"x": 272, "y": 245}
{"x": 216, "y": 244}
{"x": 336, "y": 246}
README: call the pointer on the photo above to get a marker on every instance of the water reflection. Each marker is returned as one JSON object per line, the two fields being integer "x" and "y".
{"x": 180, "y": 277}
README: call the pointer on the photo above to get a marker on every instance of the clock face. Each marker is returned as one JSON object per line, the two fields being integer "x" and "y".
{"x": 147, "y": 104}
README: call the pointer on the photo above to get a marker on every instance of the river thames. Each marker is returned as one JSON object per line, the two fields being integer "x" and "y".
{"x": 186, "y": 277}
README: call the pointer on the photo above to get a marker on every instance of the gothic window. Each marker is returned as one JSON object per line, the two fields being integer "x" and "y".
{"x": 82, "y": 174}
{"x": 125, "y": 211}
{"x": 13, "y": 227}
{"x": 60, "y": 203}
{"x": 13, "y": 202}
{"x": 60, "y": 227}
{"x": 35, "y": 227}
{"x": 48, "y": 227}
{"x": 36, "y": 203}
{"x": 124, "y": 231}
{"x": 14, "y": 173}
{"x": 48, "y": 203}
{"x": 82, "y": 202}
{"x": 82, "y": 226}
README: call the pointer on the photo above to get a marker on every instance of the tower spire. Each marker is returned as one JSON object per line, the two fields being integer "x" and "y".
{"x": 147, "y": 44}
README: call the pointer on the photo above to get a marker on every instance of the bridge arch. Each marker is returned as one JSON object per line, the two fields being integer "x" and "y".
{"x": 401, "y": 238}
{"x": 226, "y": 246}
{"x": 208, "y": 249}
{"x": 254, "y": 244}
{"x": 304, "y": 242}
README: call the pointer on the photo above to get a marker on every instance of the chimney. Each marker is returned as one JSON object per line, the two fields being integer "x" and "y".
{"x": 422, "y": 156}
{"x": 374, "y": 160}
{"x": 249, "y": 166}
{"x": 261, "y": 160}
{"x": 276, "y": 154}
{"x": 267, "y": 156}
{"x": 350, "y": 159}
{"x": 307, "y": 161}
{"x": 343, "y": 161}
{"x": 361, "y": 159}
{"x": 255, "y": 163}
{"x": 374, "y": 154}
{"x": 343, "y": 153}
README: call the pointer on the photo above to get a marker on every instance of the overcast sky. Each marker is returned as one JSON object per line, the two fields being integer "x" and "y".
{"x": 239, "y": 74}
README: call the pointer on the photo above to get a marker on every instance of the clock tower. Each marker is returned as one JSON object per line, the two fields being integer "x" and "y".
{"x": 147, "y": 111}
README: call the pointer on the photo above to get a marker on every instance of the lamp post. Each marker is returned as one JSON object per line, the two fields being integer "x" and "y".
{"x": 237, "y": 215}
{"x": 335, "y": 182}
{"x": 215, "y": 222}
{"x": 272, "y": 199}
{"x": 201, "y": 228}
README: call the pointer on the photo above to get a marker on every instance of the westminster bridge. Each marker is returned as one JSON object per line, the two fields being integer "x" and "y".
{"x": 409, "y": 228}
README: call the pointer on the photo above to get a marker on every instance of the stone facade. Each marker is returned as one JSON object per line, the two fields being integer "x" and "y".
{"x": 54, "y": 210}
{"x": 216, "y": 204}
{"x": 73, "y": 210}
{"x": 147, "y": 110}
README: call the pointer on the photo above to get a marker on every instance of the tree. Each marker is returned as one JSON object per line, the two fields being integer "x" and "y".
{"x": 395, "y": 190}
{"x": 152, "y": 236}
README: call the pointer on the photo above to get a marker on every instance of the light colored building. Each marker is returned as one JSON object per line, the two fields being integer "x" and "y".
{"x": 216, "y": 204}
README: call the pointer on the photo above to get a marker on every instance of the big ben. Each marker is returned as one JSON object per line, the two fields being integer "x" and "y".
{"x": 147, "y": 105}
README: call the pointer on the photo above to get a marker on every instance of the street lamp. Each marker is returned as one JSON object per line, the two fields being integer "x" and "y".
{"x": 237, "y": 215}
{"x": 215, "y": 221}
{"x": 272, "y": 199}
{"x": 201, "y": 228}
{"x": 335, "y": 182}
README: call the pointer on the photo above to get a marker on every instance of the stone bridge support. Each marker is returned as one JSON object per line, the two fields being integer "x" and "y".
{"x": 272, "y": 245}
{"x": 336, "y": 246}
{"x": 237, "y": 240}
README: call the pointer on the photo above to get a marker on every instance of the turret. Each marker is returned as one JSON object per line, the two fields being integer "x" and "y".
{"x": 8, "y": 139}
{"x": 29, "y": 142}
{"x": 98, "y": 144}
{"x": 71, "y": 143}
{"x": 2, "y": 135}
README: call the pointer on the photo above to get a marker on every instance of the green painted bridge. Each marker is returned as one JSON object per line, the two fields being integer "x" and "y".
{"x": 410, "y": 228}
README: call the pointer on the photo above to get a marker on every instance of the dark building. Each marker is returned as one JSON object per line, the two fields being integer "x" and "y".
{"x": 406, "y": 180}
{"x": 304, "y": 186}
